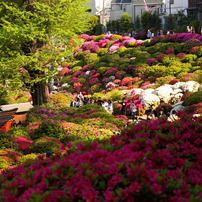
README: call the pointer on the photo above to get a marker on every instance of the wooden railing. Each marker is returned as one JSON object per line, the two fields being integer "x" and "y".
{"x": 6, "y": 119}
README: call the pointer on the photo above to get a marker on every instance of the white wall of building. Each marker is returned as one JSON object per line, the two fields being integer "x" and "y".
{"x": 177, "y": 6}
{"x": 97, "y": 6}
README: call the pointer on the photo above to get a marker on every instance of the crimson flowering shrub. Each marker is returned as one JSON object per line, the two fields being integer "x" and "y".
{"x": 173, "y": 81}
{"x": 152, "y": 61}
{"x": 193, "y": 50}
{"x": 127, "y": 81}
{"x": 181, "y": 55}
{"x": 155, "y": 161}
{"x": 160, "y": 57}
{"x": 194, "y": 109}
{"x": 120, "y": 74}
{"x": 170, "y": 51}
{"x": 23, "y": 144}
{"x": 111, "y": 72}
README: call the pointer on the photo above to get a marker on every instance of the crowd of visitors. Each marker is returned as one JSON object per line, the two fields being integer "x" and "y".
{"x": 128, "y": 109}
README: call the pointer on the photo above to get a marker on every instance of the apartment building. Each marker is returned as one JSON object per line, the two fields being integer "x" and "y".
{"x": 136, "y": 7}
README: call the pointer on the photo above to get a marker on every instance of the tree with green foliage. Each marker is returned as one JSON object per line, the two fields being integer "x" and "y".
{"x": 146, "y": 20}
{"x": 137, "y": 23}
{"x": 31, "y": 35}
{"x": 150, "y": 20}
{"x": 126, "y": 22}
{"x": 93, "y": 24}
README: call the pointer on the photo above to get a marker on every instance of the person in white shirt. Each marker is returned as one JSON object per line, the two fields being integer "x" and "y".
{"x": 133, "y": 110}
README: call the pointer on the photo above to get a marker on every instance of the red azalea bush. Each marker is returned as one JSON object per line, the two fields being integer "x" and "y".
{"x": 170, "y": 51}
{"x": 195, "y": 109}
{"x": 23, "y": 143}
{"x": 193, "y": 50}
{"x": 152, "y": 61}
{"x": 160, "y": 57}
{"x": 155, "y": 161}
{"x": 181, "y": 55}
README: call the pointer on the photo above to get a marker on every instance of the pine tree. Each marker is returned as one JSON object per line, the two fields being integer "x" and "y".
{"x": 30, "y": 33}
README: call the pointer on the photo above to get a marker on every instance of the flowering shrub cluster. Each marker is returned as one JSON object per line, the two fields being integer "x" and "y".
{"x": 156, "y": 161}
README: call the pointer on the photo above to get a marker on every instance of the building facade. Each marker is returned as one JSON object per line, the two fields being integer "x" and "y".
{"x": 101, "y": 8}
{"x": 136, "y": 7}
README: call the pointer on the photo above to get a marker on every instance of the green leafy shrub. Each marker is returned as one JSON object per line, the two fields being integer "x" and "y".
{"x": 91, "y": 57}
{"x": 101, "y": 115}
{"x": 190, "y": 77}
{"x": 102, "y": 51}
{"x": 6, "y": 141}
{"x": 48, "y": 128}
{"x": 168, "y": 59}
{"x": 199, "y": 51}
{"x": 115, "y": 95}
{"x": 43, "y": 144}
{"x": 131, "y": 44}
{"x": 28, "y": 159}
{"x": 102, "y": 70}
{"x": 67, "y": 79}
{"x": 99, "y": 37}
{"x": 3, "y": 163}
{"x": 94, "y": 88}
{"x": 142, "y": 57}
{"x": 156, "y": 71}
{"x": 156, "y": 54}
{"x": 194, "y": 98}
{"x": 190, "y": 58}
{"x": 108, "y": 45}
{"x": 115, "y": 37}
{"x": 164, "y": 80}
{"x": 199, "y": 61}
{"x": 61, "y": 98}
{"x": 82, "y": 80}
{"x": 19, "y": 132}
{"x": 140, "y": 69}
{"x": 89, "y": 107}
{"x": 76, "y": 69}
{"x": 136, "y": 52}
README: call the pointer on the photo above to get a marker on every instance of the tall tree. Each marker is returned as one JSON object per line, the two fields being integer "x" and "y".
{"x": 30, "y": 34}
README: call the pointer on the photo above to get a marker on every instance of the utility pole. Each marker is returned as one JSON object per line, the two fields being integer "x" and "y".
{"x": 103, "y": 13}
{"x": 169, "y": 7}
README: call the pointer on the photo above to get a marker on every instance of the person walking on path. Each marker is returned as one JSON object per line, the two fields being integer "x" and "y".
{"x": 123, "y": 107}
{"x": 133, "y": 111}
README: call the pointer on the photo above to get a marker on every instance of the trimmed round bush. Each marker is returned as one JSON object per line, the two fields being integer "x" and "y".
{"x": 168, "y": 59}
{"x": 102, "y": 51}
{"x": 99, "y": 37}
{"x": 43, "y": 144}
{"x": 3, "y": 163}
{"x": 194, "y": 98}
{"x": 140, "y": 69}
{"x": 48, "y": 128}
{"x": 28, "y": 159}
{"x": 6, "y": 141}
{"x": 91, "y": 57}
{"x": 190, "y": 58}
{"x": 19, "y": 132}
{"x": 89, "y": 107}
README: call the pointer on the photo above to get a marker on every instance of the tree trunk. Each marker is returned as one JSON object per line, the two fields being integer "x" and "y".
{"x": 39, "y": 92}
